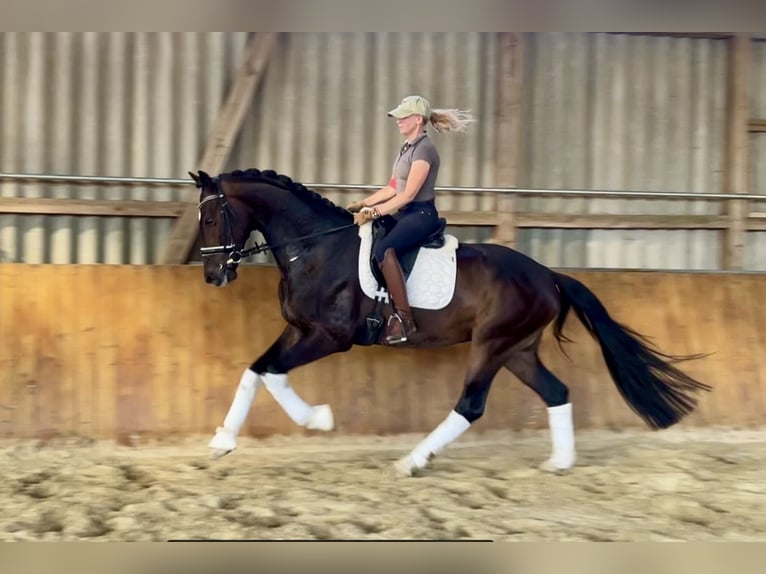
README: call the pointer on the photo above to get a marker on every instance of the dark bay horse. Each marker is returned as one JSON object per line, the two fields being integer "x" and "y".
{"x": 502, "y": 303}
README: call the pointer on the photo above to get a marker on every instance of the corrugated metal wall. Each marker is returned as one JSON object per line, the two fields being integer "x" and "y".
{"x": 755, "y": 246}
{"x": 604, "y": 111}
{"x": 321, "y": 115}
{"x": 142, "y": 104}
{"x": 117, "y": 104}
{"x": 610, "y": 111}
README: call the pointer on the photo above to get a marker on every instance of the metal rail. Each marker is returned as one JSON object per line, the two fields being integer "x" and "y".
{"x": 621, "y": 194}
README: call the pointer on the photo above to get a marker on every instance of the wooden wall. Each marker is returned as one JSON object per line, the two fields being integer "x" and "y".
{"x": 115, "y": 351}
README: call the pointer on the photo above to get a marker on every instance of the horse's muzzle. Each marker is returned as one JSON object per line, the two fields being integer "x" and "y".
{"x": 221, "y": 276}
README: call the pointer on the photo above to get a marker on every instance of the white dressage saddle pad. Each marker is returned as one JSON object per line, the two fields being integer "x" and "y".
{"x": 431, "y": 283}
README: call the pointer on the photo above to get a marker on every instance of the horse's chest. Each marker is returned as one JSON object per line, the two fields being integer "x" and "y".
{"x": 315, "y": 301}
{"x": 301, "y": 302}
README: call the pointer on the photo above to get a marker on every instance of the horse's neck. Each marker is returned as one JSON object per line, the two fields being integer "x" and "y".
{"x": 279, "y": 229}
{"x": 271, "y": 215}
{"x": 299, "y": 261}
{"x": 284, "y": 225}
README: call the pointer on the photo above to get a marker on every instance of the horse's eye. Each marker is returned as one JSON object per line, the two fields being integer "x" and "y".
{"x": 209, "y": 221}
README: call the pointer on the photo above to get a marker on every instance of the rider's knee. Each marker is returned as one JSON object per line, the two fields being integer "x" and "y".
{"x": 380, "y": 254}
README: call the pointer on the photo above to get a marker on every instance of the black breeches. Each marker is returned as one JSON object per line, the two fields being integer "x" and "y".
{"x": 414, "y": 223}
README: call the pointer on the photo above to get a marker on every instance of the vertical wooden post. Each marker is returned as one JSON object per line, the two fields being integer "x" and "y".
{"x": 222, "y": 138}
{"x": 508, "y": 134}
{"x": 736, "y": 175}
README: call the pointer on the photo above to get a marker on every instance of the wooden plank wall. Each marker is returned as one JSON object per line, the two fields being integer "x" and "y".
{"x": 117, "y": 351}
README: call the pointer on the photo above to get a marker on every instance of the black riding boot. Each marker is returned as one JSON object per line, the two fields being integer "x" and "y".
{"x": 400, "y": 323}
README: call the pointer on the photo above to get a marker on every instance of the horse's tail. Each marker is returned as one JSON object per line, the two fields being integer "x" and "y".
{"x": 657, "y": 391}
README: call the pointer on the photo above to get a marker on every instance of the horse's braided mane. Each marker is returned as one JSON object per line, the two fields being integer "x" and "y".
{"x": 283, "y": 181}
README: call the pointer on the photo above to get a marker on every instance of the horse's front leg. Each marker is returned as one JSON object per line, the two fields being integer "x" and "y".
{"x": 292, "y": 349}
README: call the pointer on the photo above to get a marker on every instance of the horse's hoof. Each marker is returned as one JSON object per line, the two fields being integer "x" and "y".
{"x": 222, "y": 443}
{"x": 555, "y": 467}
{"x": 402, "y": 468}
{"x": 321, "y": 418}
{"x": 217, "y": 453}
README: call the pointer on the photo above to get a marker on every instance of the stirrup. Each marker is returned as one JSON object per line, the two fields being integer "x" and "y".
{"x": 395, "y": 339}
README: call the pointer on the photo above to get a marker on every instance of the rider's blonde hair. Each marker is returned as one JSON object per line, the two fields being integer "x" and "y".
{"x": 450, "y": 120}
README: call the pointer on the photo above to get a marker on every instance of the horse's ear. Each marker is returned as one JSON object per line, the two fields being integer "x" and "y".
{"x": 205, "y": 178}
{"x": 196, "y": 179}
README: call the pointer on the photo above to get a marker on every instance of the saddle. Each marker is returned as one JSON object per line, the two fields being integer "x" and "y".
{"x": 383, "y": 225}
{"x": 430, "y": 271}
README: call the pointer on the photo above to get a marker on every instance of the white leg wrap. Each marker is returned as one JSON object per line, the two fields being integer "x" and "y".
{"x": 225, "y": 437}
{"x": 243, "y": 400}
{"x": 295, "y": 407}
{"x": 449, "y": 430}
{"x": 562, "y": 438}
{"x": 321, "y": 418}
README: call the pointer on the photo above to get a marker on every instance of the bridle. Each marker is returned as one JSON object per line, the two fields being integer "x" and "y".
{"x": 229, "y": 246}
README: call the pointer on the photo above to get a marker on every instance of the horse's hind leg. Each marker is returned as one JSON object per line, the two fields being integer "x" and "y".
{"x": 526, "y": 365}
{"x": 485, "y": 361}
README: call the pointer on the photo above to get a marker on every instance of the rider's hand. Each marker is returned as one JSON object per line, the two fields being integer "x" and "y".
{"x": 355, "y": 206}
{"x": 364, "y": 216}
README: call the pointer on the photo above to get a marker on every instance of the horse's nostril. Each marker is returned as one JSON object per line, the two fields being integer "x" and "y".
{"x": 210, "y": 277}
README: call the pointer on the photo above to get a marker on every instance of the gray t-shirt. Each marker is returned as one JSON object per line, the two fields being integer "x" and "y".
{"x": 421, "y": 148}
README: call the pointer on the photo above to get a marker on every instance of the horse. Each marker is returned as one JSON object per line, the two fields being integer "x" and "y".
{"x": 501, "y": 301}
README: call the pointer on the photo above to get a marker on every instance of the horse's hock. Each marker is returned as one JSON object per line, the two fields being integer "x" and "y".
{"x": 133, "y": 352}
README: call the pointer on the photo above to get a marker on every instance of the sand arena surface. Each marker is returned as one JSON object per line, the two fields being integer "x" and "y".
{"x": 679, "y": 484}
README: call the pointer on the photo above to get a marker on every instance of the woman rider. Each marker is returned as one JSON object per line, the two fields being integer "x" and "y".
{"x": 409, "y": 199}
